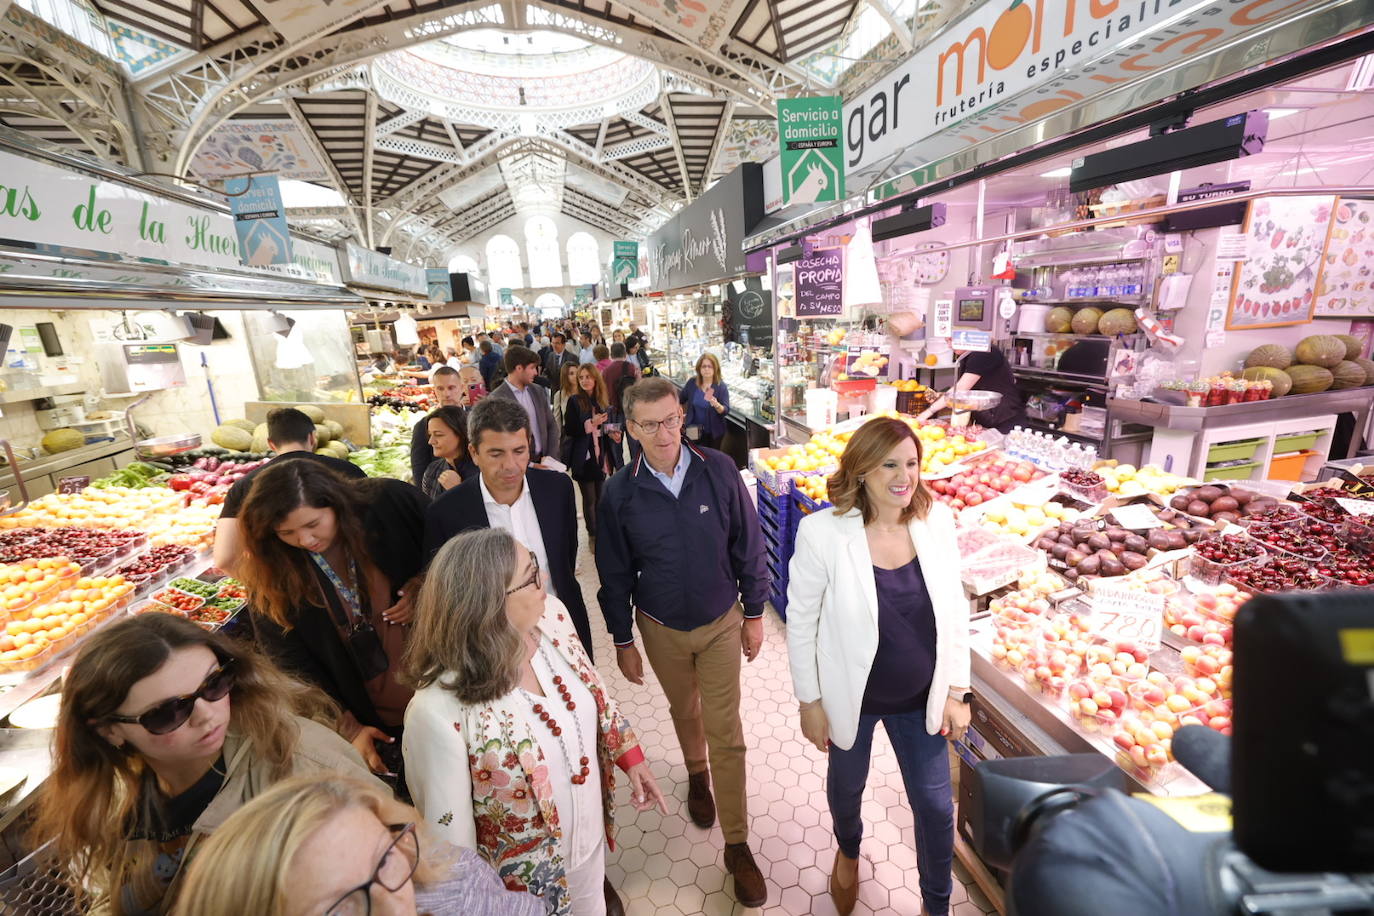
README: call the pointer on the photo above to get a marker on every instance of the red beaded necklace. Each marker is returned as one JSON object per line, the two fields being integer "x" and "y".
{"x": 578, "y": 778}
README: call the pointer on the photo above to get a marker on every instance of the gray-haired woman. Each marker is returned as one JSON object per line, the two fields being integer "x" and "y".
{"x": 511, "y": 740}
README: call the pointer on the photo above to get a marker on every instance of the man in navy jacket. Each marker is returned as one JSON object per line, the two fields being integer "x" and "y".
{"x": 678, "y": 539}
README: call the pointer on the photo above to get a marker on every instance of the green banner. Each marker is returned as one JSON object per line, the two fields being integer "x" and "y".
{"x": 625, "y": 262}
{"x": 505, "y": 296}
{"x": 811, "y": 134}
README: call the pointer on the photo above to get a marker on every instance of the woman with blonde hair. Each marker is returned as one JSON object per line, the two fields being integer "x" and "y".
{"x": 877, "y": 630}
{"x": 340, "y": 847}
{"x": 165, "y": 730}
{"x": 567, "y": 390}
{"x": 592, "y": 431}
{"x": 511, "y": 741}
{"x": 705, "y": 400}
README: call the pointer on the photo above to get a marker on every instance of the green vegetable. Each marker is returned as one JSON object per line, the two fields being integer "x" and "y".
{"x": 136, "y": 476}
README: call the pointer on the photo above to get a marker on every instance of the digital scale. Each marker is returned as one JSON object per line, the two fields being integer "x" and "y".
{"x": 975, "y": 307}
{"x": 143, "y": 366}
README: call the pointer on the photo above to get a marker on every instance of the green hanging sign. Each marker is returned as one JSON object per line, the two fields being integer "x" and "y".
{"x": 811, "y": 135}
{"x": 625, "y": 261}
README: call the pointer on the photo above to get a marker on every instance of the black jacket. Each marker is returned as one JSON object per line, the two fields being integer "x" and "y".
{"x": 578, "y": 450}
{"x": 553, "y": 366}
{"x": 683, "y": 561}
{"x": 462, "y": 509}
{"x": 393, "y": 521}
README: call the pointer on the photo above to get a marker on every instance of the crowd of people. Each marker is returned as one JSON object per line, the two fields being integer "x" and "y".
{"x": 429, "y": 645}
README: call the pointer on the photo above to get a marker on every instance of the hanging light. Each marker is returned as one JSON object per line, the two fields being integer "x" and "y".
{"x": 861, "y": 286}
{"x": 407, "y": 332}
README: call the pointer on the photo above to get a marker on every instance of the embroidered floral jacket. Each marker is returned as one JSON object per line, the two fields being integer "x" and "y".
{"x": 478, "y": 775}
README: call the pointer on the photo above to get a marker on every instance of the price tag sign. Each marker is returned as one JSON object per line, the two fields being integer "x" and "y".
{"x": 1136, "y": 516}
{"x": 1127, "y": 614}
{"x": 72, "y": 485}
{"x": 1356, "y": 506}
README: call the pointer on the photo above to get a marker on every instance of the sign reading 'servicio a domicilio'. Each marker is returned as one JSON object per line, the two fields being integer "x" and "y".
{"x": 811, "y": 141}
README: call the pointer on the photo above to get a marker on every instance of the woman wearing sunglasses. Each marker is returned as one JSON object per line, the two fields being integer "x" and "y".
{"x": 339, "y": 847}
{"x": 165, "y": 730}
{"x": 511, "y": 741}
{"x": 332, "y": 567}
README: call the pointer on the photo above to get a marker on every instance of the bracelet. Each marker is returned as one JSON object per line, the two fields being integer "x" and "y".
{"x": 803, "y": 707}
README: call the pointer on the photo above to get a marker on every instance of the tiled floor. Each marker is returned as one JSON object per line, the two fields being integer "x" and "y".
{"x": 665, "y": 866}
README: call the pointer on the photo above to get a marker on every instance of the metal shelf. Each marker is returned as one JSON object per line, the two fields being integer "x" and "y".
{"x": 1123, "y": 301}
{"x": 1050, "y": 375}
{"x": 1128, "y": 338}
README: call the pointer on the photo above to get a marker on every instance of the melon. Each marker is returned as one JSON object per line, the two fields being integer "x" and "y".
{"x": 1347, "y": 374}
{"x": 1353, "y": 345}
{"x": 1275, "y": 356}
{"x": 322, "y": 434}
{"x": 1368, "y": 366}
{"x": 1059, "y": 320}
{"x": 315, "y": 414}
{"x": 1324, "y": 350}
{"x": 246, "y": 425}
{"x": 335, "y": 429}
{"x": 62, "y": 440}
{"x": 339, "y": 449}
{"x": 1086, "y": 321}
{"x": 1279, "y": 379}
{"x": 234, "y": 438}
{"x": 1118, "y": 321}
{"x": 260, "y": 431}
{"x": 1310, "y": 379}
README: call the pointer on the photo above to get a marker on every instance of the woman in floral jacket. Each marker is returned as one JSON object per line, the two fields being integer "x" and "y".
{"x": 511, "y": 741}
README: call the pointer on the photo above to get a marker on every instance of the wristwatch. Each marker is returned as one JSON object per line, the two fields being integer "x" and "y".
{"x": 967, "y": 697}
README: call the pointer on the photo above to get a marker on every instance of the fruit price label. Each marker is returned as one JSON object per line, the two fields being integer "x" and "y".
{"x": 70, "y": 486}
{"x": 1125, "y": 614}
{"x": 1136, "y": 516}
{"x": 1356, "y": 506}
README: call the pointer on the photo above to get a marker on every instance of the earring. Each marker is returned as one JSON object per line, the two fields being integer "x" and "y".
{"x": 861, "y": 480}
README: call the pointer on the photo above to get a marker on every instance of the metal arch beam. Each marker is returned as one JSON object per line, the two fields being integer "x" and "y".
{"x": 725, "y": 117}
{"x": 321, "y": 154}
{"x": 666, "y": 101}
{"x": 898, "y": 27}
{"x": 403, "y": 118}
{"x": 369, "y": 156}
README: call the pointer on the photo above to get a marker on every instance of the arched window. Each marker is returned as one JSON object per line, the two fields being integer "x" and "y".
{"x": 503, "y": 263}
{"x": 584, "y": 259}
{"x": 463, "y": 264}
{"x": 550, "y": 303}
{"x": 541, "y": 247}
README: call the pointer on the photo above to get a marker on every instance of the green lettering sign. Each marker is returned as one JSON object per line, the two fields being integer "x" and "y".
{"x": 811, "y": 137}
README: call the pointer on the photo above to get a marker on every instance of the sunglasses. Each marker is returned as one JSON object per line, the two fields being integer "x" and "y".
{"x": 169, "y": 715}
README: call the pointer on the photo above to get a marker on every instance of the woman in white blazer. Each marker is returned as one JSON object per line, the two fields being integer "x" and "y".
{"x": 877, "y": 629}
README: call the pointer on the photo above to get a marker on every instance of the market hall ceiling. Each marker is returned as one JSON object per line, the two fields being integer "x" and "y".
{"x": 639, "y": 104}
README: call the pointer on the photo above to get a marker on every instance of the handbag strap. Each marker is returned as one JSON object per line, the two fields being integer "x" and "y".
{"x": 357, "y": 603}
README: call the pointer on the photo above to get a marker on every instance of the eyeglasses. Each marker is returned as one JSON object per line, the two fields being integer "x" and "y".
{"x": 650, "y": 427}
{"x": 393, "y": 872}
{"x": 532, "y": 580}
{"x": 169, "y": 715}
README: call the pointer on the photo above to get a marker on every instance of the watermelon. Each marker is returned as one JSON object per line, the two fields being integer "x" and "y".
{"x": 1118, "y": 321}
{"x": 1324, "y": 350}
{"x": 1310, "y": 379}
{"x": 1059, "y": 320}
{"x": 1368, "y": 366}
{"x": 1347, "y": 374}
{"x": 1086, "y": 321}
{"x": 1353, "y": 345}
{"x": 1274, "y": 356}
{"x": 1279, "y": 379}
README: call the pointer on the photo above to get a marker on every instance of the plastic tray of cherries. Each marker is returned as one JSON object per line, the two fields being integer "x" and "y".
{"x": 1086, "y": 485}
{"x": 1218, "y": 556}
{"x": 1279, "y": 573}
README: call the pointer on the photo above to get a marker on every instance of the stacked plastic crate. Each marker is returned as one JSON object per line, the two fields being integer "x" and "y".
{"x": 779, "y": 537}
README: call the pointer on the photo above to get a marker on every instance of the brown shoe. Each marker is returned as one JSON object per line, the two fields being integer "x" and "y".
{"x": 844, "y": 883}
{"x": 701, "y": 807}
{"x": 613, "y": 905}
{"x": 750, "y": 890}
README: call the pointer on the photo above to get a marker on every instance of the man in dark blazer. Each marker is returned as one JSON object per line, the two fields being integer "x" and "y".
{"x": 535, "y": 505}
{"x": 522, "y": 365}
{"x": 558, "y": 356}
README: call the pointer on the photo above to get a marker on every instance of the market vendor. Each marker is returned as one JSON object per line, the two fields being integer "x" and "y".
{"x": 291, "y": 434}
{"x": 988, "y": 371}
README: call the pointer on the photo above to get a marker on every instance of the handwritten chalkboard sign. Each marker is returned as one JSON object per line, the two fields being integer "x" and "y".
{"x": 820, "y": 284}
{"x": 69, "y": 486}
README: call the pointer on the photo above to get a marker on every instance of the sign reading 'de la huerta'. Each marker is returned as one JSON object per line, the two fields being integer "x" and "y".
{"x": 811, "y": 135}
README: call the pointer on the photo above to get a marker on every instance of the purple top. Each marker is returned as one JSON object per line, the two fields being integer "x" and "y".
{"x": 904, "y": 664}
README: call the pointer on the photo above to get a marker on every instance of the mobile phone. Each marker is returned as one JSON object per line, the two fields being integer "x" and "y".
{"x": 476, "y": 392}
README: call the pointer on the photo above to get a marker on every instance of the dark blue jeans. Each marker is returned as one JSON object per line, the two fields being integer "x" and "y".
{"x": 924, "y": 762}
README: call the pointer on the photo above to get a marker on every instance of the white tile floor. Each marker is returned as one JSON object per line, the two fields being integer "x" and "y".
{"x": 665, "y": 866}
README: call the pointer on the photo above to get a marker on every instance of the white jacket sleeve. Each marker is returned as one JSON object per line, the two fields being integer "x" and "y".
{"x": 960, "y": 662}
{"x": 807, "y": 582}
{"x": 437, "y": 771}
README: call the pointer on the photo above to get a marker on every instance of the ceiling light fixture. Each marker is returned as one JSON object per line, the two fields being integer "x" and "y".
{"x": 1062, "y": 172}
{"x": 1276, "y": 113}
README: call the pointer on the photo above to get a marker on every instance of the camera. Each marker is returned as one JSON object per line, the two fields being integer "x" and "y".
{"x": 1288, "y": 829}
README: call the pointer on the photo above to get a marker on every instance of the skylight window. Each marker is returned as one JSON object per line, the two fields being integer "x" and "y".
{"x": 76, "y": 18}
{"x": 868, "y": 30}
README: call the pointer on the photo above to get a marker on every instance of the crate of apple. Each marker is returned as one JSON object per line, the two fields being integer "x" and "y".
{"x": 1278, "y": 574}
{"x": 985, "y": 482}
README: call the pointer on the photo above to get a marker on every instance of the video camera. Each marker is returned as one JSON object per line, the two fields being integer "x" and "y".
{"x": 1299, "y": 770}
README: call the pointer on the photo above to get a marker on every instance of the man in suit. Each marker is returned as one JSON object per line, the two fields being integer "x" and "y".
{"x": 556, "y": 359}
{"x": 536, "y": 506}
{"x": 522, "y": 365}
{"x": 449, "y": 391}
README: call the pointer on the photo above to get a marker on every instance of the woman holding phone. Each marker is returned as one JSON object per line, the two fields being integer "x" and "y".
{"x": 592, "y": 435}
{"x": 705, "y": 399}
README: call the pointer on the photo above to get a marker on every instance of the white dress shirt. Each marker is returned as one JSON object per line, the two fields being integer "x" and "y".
{"x": 522, "y": 523}
{"x": 525, "y": 399}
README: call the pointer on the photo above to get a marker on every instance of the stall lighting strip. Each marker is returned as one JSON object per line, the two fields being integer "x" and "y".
{"x": 1141, "y": 216}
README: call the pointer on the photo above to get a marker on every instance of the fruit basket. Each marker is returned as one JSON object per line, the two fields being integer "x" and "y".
{"x": 1216, "y": 557}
